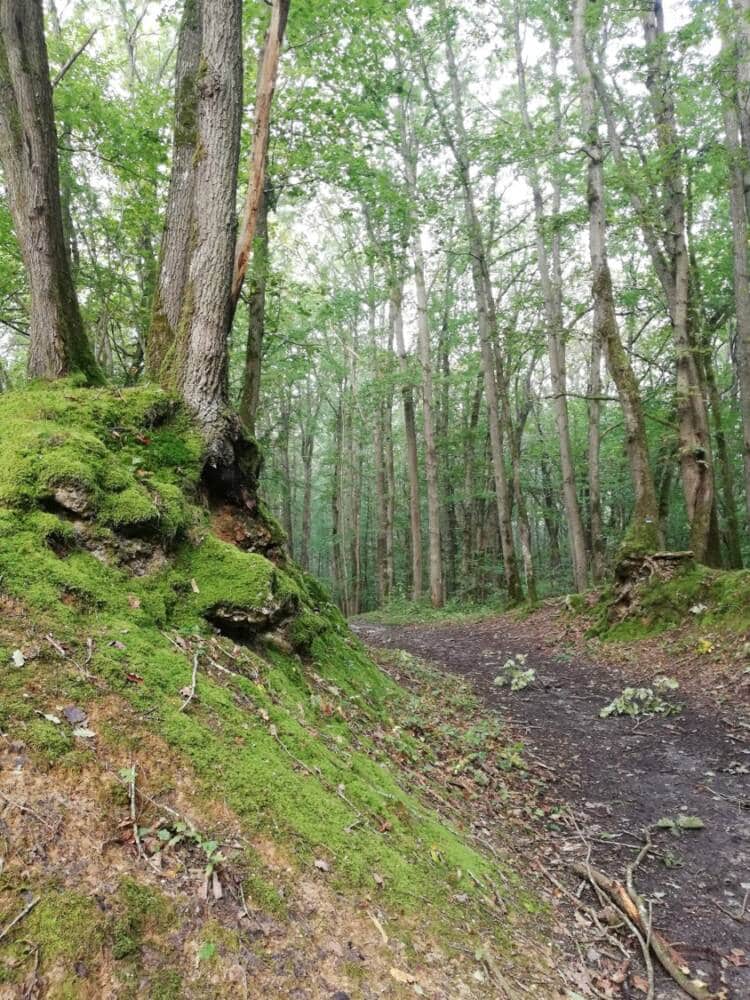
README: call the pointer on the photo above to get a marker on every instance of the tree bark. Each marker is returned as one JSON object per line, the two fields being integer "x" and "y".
{"x": 256, "y": 316}
{"x": 597, "y": 543}
{"x": 696, "y": 463}
{"x": 409, "y": 154}
{"x": 740, "y": 215}
{"x": 644, "y": 530}
{"x": 552, "y": 295}
{"x": 258, "y": 165}
{"x": 205, "y": 317}
{"x": 174, "y": 255}
{"x": 28, "y": 149}
{"x": 410, "y": 432}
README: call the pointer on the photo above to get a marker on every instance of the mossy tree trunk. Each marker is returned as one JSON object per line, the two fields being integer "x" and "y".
{"x": 28, "y": 149}
{"x": 178, "y": 233}
{"x": 644, "y": 533}
{"x": 256, "y": 315}
{"x": 189, "y": 336}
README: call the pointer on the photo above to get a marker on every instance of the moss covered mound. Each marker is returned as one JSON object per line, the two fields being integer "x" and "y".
{"x": 718, "y": 598}
{"x": 122, "y": 603}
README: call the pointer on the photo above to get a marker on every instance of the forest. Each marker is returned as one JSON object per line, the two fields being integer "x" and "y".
{"x": 374, "y": 462}
{"x": 497, "y": 322}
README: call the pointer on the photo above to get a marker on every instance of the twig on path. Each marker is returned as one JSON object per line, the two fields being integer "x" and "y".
{"x": 22, "y": 807}
{"x": 19, "y": 917}
{"x": 668, "y": 958}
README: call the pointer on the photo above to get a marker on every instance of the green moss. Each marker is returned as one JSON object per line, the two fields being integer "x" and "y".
{"x": 166, "y": 985}
{"x": 51, "y": 742}
{"x": 130, "y": 512}
{"x": 66, "y": 925}
{"x": 141, "y": 910}
{"x": 228, "y": 577}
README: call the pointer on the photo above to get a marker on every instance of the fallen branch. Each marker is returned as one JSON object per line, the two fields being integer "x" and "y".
{"x": 191, "y": 689}
{"x": 17, "y": 919}
{"x": 670, "y": 960}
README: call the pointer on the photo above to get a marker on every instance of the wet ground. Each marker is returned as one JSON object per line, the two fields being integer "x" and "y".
{"x": 620, "y": 775}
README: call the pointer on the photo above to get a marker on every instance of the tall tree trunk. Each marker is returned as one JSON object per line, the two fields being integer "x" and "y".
{"x": 552, "y": 295}
{"x": 644, "y": 530}
{"x": 390, "y": 476}
{"x": 337, "y": 544}
{"x": 486, "y": 316}
{"x": 409, "y": 153}
{"x": 174, "y": 255}
{"x": 692, "y": 417}
{"x": 597, "y": 542}
{"x": 740, "y": 214}
{"x": 410, "y": 432}
{"x": 469, "y": 506}
{"x": 268, "y": 70}
{"x": 742, "y": 12}
{"x": 205, "y": 317}
{"x": 256, "y": 316}
{"x": 28, "y": 150}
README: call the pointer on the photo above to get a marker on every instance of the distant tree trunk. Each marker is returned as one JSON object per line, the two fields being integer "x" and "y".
{"x": 552, "y": 294}
{"x": 469, "y": 506}
{"x": 515, "y": 434}
{"x": 597, "y": 544}
{"x": 337, "y": 545}
{"x": 256, "y": 315}
{"x": 390, "y": 475}
{"x": 740, "y": 214}
{"x": 28, "y": 150}
{"x": 486, "y": 316}
{"x": 283, "y": 447}
{"x": 692, "y": 417}
{"x": 268, "y": 69}
{"x": 410, "y": 432}
{"x": 449, "y": 526}
{"x": 409, "y": 153}
{"x": 644, "y": 530}
{"x": 308, "y": 448}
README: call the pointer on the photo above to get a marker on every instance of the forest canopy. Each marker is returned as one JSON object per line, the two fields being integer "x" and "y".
{"x": 474, "y": 275}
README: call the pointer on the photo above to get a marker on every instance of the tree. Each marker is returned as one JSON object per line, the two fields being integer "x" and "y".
{"x": 644, "y": 530}
{"x": 28, "y": 149}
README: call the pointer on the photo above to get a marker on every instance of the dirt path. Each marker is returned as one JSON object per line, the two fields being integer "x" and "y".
{"x": 619, "y": 776}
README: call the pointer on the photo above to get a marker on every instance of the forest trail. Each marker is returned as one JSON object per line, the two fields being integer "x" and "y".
{"x": 619, "y": 775}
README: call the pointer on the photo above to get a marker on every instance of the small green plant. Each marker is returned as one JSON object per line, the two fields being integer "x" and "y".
{"x": 515, "y": 674}
{"x": 678, "y": 823}
{"x": 644, "y": 701}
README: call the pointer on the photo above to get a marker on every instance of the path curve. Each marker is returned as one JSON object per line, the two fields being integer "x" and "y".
{"x": 619, "y": 776}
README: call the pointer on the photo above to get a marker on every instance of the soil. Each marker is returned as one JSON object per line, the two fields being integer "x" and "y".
{"x": 618, "y": 776}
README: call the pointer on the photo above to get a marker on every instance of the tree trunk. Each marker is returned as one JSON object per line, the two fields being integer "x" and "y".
{"x": 644, "y": 530}
{"x": 28, "y": 149}
{"x": 469, "y": 505}
{"x": 268, "y": 69}
{"x": 205, "y": 317}
{"x": 740, "y": 215}
{"x": 487, "y": 319}
{"x": 552, "y": 295}
{"x": 256, "y": 315}
{"x": 409, "y": 154}
{"x": 410, "y": 432}
{"x": 597, "y": 543}
{"x": 174, "y": 256}
{"x": 692, "y": 418}
{"x": 742, "y": 12}
{"x": 308, "y": 448}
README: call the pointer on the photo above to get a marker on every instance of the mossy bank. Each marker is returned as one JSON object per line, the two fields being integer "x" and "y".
{"x": 152, "y": 668}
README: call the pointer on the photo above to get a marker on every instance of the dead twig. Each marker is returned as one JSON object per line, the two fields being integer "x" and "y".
{"x": 191, "y": 689}
{"x": 19, "y": 917}
{"x": 668, "y": 958}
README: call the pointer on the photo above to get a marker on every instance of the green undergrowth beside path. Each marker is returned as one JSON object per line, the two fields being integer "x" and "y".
{"x": 401, "y": 611}
{"x": 106, "y": 548}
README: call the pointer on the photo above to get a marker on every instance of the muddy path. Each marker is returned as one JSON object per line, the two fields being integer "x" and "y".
{"x": 619, "y": 776}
